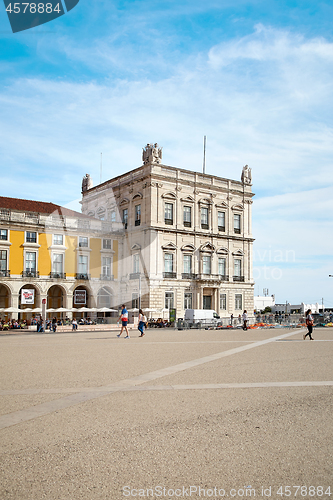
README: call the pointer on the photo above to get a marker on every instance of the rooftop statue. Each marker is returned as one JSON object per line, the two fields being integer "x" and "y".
{"x": 152, "y": 153}
{"x": 87, "y": 183}
{"x": 246, "y": 175}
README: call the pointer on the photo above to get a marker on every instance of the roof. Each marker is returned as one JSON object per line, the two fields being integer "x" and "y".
{"x": 40, "y": 207}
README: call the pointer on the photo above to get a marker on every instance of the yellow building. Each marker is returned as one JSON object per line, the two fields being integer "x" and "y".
{"x": 49, "y": 253}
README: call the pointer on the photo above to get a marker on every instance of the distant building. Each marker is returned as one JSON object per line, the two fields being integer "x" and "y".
{"x": 185, "y": 238}
{"x": 261, "y": 302}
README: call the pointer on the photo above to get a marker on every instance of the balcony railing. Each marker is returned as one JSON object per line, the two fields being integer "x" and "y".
{"x": 188, "y": 276}
{"x": 168, "y": 221}
{"x": 215, "y": 277}
{"x": 169, "y": 275}
{"x": 4, "y": 274}
{"x": 221, "y": 228}
{"x": 204, "y": 226}
{"x": 82, "y": 276}
{"x": 237, "y": 230}
{"x": 58, "y": 276}
{"x": 223, "y": 277}
{"x": 238, "y": 278}
{"x": 30, "y": 274}
{"x": 187, "y": 223}
{"x": 138, "y": 222}
{"x": 107, "y": 277}
{"x": 134, "y": 276}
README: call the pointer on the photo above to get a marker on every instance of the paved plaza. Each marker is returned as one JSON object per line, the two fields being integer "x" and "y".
{"x": 175, "y": 414}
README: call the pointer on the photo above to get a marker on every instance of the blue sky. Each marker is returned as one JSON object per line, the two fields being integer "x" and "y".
{"x": 255, "y": 77}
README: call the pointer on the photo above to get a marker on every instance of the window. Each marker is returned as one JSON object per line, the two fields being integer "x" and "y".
{"x": 125, "y": 217}
{"x": 106, "y": 266}
{"x": 221, "y": 221}
{"x": 237, "y": 223}
{"x": 3, "y": 234}
{"x": 30, "y": 261}
{"x": 187, "y": 301}
{"x": 106, "y": 244}
{"x": 83, "y": 241}
{"x": 223, "y": 301}
{"x": 187, "y": 264}
{"x": 168, "y": 300}
{"x": 83, "y": 264}
{"x": 168, "y": 262}
{"x": 58, "y": 239}
{"x": 168, "y": 213}
{"x": 57, "y": 263}
{"x": 136, "y": 263}
{"x": 206, "y": 264}
{"x": 204, "y": 218}
{"x": 187, "y": 216}
{"x": 31, "y": 237}
{"x": 222, "y": 266}
{"x": 237, "y": 267}
{"x": 3, "y": 260}
{"x": 113, "y": 216}
{"x": 238, "y": 301}
{"x": 137, "y": 215}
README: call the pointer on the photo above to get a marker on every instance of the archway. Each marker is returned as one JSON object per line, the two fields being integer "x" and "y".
{"x": 55, "y": 297}
{"x": 5, "y": 296}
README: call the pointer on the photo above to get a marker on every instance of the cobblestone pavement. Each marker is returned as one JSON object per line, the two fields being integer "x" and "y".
{"x": 175, "y": 414}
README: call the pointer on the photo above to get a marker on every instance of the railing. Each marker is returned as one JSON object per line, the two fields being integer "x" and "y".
{"x": 168, "y": 221}
{"x": 187, "y": 224}
{"x": 107, "y": 277}
{"x": 215, "y": 277}
{"x": 188, "y": 276}
{"x": 169, "y": 275}
{"x": 138, "y": 222}
{"x": 4, "y": 274}
{"x": 238, "y": 278}
{"x": 236, "y": 230}
{"x": 134, "y": 276}
{"x": 221, "y": 228}
{"x": 82, "y": 276}
{"x": 204, "y": 226}
{"x": 58, "y": 276}
{"x": 30, "y": 274}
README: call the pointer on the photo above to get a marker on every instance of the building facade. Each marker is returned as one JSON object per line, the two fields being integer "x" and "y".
{"x": 184, "y": 238}
{"x": 59, "y": 256}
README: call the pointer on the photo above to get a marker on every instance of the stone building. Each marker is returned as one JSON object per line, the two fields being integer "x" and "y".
{"x": 184, "y": 237}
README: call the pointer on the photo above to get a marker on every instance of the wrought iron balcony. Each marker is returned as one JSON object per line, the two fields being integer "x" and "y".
{"x": 204, "y": 226}
{"x": 238, "y": 278}
{"x": 134, "y": 276}
{"x": 223, "y": 277}
{"x": 58, "y": 276}
{"x": 168, "y": 221}
{"x": 30, "y": 274}
{"x": 221, "y": 228}
{"x": 188, "y": 276}
{"x": 187, "y": 223}
{"x": 237, "y": 230}
{"x": 169, "y": 275}
{"x": 4, "y": 274}
{"x": 82, "y": 276}
{"x": 138, "y": 222}
{"x": 107, "y": 277}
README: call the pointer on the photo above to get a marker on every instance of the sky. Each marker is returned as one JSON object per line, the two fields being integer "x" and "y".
{"x": 254, "y": 76}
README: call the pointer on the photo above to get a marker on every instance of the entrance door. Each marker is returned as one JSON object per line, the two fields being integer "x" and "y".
{"x": 207, "y": 301}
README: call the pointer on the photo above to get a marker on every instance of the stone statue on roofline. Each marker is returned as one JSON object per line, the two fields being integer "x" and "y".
{"x": 87, "y": 183}
{"x": 151, "y": 153}
{"x": 246, "y": 177}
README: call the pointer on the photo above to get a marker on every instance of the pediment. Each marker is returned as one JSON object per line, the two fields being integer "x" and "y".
{"x": 100, "y": 211}
{"x": 222, "y": 250}
{"x": 222, "y": 204}
{"x": 188, "y": 199}
{"x": 124, "y": 201}
{"x": 169, "y": 246}
{"x": 188, "y": 248}
{"x": 136, "y": 247}
{"x": 207, "y": 247}
{"x": 239, "y": 253}
{"x": 237, "y": 207}
{"x": 205, "y": 201}
{"x": 137, "y": 196}
{"x": 169, "y": 196}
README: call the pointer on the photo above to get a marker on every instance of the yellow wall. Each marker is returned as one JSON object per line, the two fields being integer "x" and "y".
{"x": 16, "y": 252}
{"x": 95, "y": 257}
{"x": 44, "y": 255}
{"x": 70, "y": 255}
{"x": 115, "y": 259}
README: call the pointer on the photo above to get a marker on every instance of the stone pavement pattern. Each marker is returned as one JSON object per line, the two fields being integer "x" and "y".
{"x": 84, "y": 415}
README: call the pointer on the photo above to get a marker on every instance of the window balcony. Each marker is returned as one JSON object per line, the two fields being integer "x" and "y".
{"x": 107, "y": 277}
{"x": 223, "y": 277}
{"x": 83, "y": 244}
{"x": 238, "y": 278}
{"x": 82, "y": 276}
{"x": 188, "y": 276}
{"x": 61, "y": 276}
{"x": 221, "y": 228}
{"x": 134, "y": 276}
{"x": 237, "y": 230}
{"x": 168, "y": 221}
{"x": 204, "y": 226}
{"x": 138, "y": 222}
{"x": 4, "y": 274}
{"x": 30, "y": 274}
{"x": 187, "y": 224}
{"x": 169, "y": 275}
{"x": 31, "y": 239}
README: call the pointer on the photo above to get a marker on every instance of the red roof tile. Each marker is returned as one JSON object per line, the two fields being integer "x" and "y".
{"x": 40, "y": 207}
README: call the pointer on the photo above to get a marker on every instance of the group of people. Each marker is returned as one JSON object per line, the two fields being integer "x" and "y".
{"x": 142, "y": 322}
{"x": 12, "y": 324}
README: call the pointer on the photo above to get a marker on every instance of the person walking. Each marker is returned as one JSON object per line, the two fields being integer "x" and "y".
{"x": 245, "y": 319}
{"x": 124, "y": 320}
{"x": 309, "y": 324}
{"x": 142, "y": 322}
{"x": 232, "y": 320}
{"x": 54, "y": 325}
